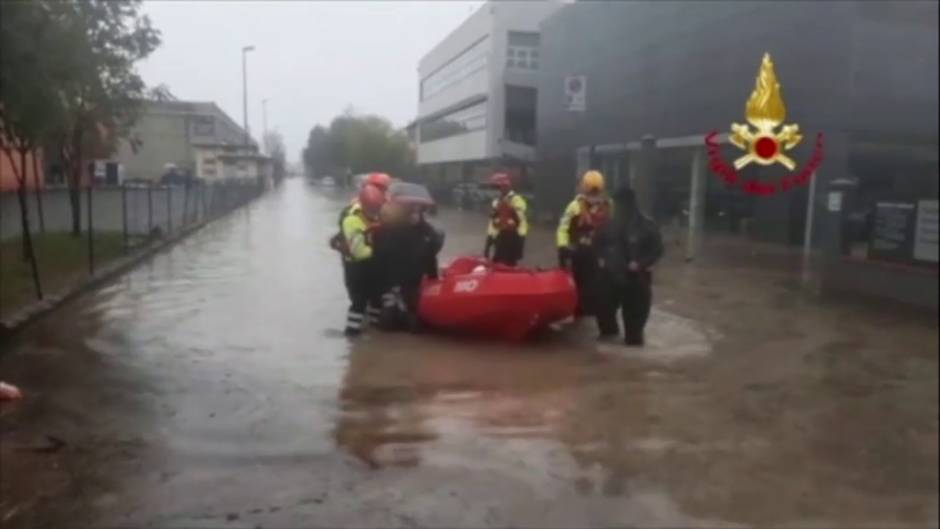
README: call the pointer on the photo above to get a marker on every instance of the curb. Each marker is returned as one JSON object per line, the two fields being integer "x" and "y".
{"x": 36, "y": 310}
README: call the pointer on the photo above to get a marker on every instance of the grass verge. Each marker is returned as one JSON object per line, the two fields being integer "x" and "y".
{"x": 62, "y": 260}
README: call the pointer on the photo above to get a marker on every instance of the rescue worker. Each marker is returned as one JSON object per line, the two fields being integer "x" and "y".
{"x": 359, "y": 270}
{"x": 626, "y": 248}
{"x": 406, "y": 250}
{"x": 508, "y": 227}
{"x": 590, "y": 209}
{"x": 379, "y": 180}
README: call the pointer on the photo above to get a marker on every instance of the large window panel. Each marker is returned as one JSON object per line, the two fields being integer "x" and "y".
{"x": 461, "y": 121}
{"x": 470, "y": 61}
{"x": 523, "y": 50}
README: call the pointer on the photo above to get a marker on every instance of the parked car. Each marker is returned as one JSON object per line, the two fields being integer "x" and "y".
{"x": 177, "y": 178}
{"x": 138, "y": 182}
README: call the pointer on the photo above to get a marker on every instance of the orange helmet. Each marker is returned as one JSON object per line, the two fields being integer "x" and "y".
{"x": 379, "y": 180}
{"x": 371, "y": 198}
{"x": 501, "y": 180}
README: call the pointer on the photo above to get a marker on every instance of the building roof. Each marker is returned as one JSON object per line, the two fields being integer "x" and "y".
{"x": 225, "y": 145}
{"x": 245, "y": 156}
{"x": 191, "y": 108}
{"x": 433, "y": 58}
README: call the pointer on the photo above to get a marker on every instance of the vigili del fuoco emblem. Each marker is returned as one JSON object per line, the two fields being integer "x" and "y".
{"x": 765, "y": 138}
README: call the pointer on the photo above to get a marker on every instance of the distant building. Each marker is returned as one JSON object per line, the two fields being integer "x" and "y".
{"x": 189, "y": 137}
{"x": 222, "y": 161}
{"x": 478, "y": 93}
{"x": 8, "y": 172}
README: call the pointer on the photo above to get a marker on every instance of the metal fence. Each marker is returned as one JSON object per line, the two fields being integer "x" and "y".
{"x": 126, "y": 217}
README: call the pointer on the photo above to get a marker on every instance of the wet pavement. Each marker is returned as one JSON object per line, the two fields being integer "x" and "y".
{"x": 211, "y": 387}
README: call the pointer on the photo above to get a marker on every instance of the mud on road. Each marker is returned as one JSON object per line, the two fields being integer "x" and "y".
{"x": 211, "y": 388}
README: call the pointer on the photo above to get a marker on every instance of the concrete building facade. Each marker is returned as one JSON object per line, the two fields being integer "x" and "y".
{"x": 175, "y": 132}
{"x": 863, "y": 73}
{"x": 222, "y": 161}
{"x": 478, "y": 92}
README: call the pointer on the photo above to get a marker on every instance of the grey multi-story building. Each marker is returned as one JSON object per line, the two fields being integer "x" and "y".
{"x": 863, "y": 73}
{"x": 478, "y": 93}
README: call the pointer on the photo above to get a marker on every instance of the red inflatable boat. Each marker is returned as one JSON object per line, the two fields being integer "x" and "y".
{"x": 475, "y": 296}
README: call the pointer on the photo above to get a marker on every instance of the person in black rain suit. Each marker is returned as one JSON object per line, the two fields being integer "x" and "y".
{"x": 406, "y": 247}
{"x": 626, "y": 249}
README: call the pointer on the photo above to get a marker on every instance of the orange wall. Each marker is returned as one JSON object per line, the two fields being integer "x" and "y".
{"x": 8, "y": 176}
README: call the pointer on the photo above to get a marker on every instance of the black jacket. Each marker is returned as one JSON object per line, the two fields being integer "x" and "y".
{"x": 405, "y": 254}
{"x": 628, "y": 237}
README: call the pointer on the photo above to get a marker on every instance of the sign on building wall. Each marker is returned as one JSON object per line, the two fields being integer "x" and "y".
{"x": 576, "y": 93}
{"x": 835, "y": 201}
{"x": 925, "y": 235}
{"x": 893, "y": 231}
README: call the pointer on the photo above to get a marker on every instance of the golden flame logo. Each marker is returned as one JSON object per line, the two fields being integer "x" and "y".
{"x": 765, "y": 110}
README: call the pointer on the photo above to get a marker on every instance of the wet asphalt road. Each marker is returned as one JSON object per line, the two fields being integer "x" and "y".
{"x": 211, "y": 388}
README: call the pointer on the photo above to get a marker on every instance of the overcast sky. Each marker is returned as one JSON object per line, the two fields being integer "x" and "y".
{"x": 311, "y": 58}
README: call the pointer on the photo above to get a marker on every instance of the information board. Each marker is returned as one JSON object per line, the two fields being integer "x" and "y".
{"x": 892, "y": 235}
{"x": 925, "y": 235}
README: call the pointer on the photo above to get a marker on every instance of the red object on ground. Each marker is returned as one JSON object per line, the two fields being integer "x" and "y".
{"x": 496, "y": 301}
{"x": 9, "y": 392}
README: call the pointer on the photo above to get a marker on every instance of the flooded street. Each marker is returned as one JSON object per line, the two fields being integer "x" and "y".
{"x": 212, "y": 387}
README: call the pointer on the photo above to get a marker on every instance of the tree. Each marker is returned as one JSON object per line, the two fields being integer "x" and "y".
{"x": 161, "y": 92}
{"x": 29, "y": 106}
{"x": 317, "y": 155}
{"x": 102, "y": 96}
{"x": 358, "y": 144}
{"x": 274, "y": 147}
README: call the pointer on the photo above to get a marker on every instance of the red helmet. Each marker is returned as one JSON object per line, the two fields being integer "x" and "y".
{"x": 501, "y": 180}
{"x": 371, "y": 198}
{"x": 379, "y": 180}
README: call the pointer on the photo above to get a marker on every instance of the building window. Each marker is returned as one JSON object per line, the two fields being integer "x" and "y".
{"x": 523, "y": 50}
{"x": 203, "y": 126}
{"x": 524, "y": 38}
{"x": 470, "y": 61}
{"x": 461, "y": 121}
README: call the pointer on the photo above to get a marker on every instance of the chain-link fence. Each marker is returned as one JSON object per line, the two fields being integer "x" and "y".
{"x": 113, "y": 222}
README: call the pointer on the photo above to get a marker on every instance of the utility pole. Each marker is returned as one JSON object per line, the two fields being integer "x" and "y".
{"x": 264, "y": 124}
{"x": 245, "y": 51}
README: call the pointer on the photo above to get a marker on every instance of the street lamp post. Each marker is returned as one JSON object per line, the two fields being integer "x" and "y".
{"x": 245, "y": 51}
{"x": 264, "y": 123}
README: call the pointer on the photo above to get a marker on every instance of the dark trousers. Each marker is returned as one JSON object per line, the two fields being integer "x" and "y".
{"x": 508, "y": 247}
{"x": 400, "y": 307}
{"x": 364, "y": 297}
{"x": 584, "y": 272}
{"x": 633, "y": 297}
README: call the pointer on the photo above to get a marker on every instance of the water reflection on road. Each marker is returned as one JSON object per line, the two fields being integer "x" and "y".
{"x": 212, "y": 386}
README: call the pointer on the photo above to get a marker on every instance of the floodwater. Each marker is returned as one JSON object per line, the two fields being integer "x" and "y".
{"x": 211, "y": 387}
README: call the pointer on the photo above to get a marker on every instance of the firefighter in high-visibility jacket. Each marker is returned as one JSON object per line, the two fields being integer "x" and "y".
{"x": 508, "y": 226}
{"x": 589, "y": 210}
{"x": 359, "y": 270}
{"x": 380, "y": 181}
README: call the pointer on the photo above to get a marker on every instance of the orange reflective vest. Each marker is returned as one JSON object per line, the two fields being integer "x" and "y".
{"x": 581, "y": 219}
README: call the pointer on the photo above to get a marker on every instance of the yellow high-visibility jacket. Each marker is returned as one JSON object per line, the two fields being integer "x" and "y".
{"x": 356, "y": 232}
{"x": 580, "y": 218}
{"x": 512, "y": 205}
